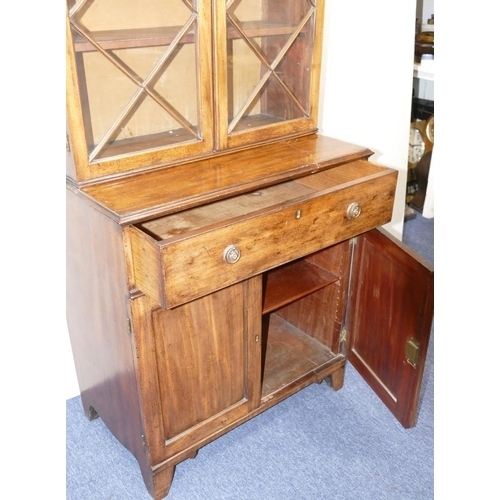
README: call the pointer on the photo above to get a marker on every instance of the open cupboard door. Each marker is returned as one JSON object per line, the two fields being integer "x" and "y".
{"x": 392, "y": 294}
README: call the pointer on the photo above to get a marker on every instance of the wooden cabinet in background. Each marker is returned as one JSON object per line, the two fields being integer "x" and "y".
{"x": 221, "y": 255}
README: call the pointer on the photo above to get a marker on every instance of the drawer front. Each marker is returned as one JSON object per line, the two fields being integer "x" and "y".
{"x": 177, "y": 272}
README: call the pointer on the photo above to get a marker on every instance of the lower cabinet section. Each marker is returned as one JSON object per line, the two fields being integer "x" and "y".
{"x": 187, "y": 324}
{"x": 208, "y": 365}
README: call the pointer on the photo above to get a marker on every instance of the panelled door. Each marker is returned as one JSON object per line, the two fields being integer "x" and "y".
{"x": 199, "y": 365}
{"x": 391, "y": 311}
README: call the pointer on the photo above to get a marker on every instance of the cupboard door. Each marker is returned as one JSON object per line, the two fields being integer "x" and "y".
{"x": 391, "y": 311}
{"x": 139, "y": 84}
{"x": 199, "y": 366}
{"x": 267, "y": 68}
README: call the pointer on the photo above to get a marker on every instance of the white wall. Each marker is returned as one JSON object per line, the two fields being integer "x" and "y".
{"x": 425, "y": 9}
{"x": 367, "y": 82}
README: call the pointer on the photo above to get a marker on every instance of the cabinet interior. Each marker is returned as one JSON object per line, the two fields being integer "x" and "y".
{"x": 295, "y": 343}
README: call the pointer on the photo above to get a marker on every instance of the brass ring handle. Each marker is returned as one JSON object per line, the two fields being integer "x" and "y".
{"x": 231, "y": 254}
{"x": 353, "y": 211}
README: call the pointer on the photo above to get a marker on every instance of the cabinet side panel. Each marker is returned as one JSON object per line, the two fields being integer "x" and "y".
{"x": 148, "y": 376}
{"x": 97, "y": 312}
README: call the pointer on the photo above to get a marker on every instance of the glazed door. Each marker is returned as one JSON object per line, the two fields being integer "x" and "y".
{"x": 199, "y": 366}
{"x": 139, "y": 83}
{"x": 267, "y": 68}
{"x": 390, "y": 316}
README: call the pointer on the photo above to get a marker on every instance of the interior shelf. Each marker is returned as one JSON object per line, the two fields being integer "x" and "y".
{"x": 132, "y": 38}
{"x": 293, "y": 281}
{"x": 290, "y": 355}
{"x": 256, "y": 29}
{"x": 150, "y": 37}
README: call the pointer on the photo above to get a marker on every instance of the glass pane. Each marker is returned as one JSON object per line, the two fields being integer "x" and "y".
{"x": 131, "y": 57}
{"x": 269, "y": 57}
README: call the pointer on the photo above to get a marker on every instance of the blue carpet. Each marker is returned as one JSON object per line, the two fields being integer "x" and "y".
{"x": 316, "y": 445}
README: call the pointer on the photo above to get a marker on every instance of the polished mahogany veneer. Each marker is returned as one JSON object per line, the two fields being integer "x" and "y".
{"x": 221, "y": 254}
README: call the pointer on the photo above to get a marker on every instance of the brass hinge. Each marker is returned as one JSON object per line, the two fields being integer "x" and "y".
{"x": 68, "y": 146}
{"x": 412, "y": 351}
{"x": 129, "y": 326}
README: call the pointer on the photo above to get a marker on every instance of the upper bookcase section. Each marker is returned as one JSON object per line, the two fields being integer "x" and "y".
{"x": 158, "y": 82}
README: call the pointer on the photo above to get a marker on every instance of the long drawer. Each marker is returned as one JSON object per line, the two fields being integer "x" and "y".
{"x": 186, "y": 255}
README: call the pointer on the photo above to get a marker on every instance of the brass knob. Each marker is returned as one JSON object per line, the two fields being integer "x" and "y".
{"x": 231, "y": 254}
{"x": 353, "y": 211}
